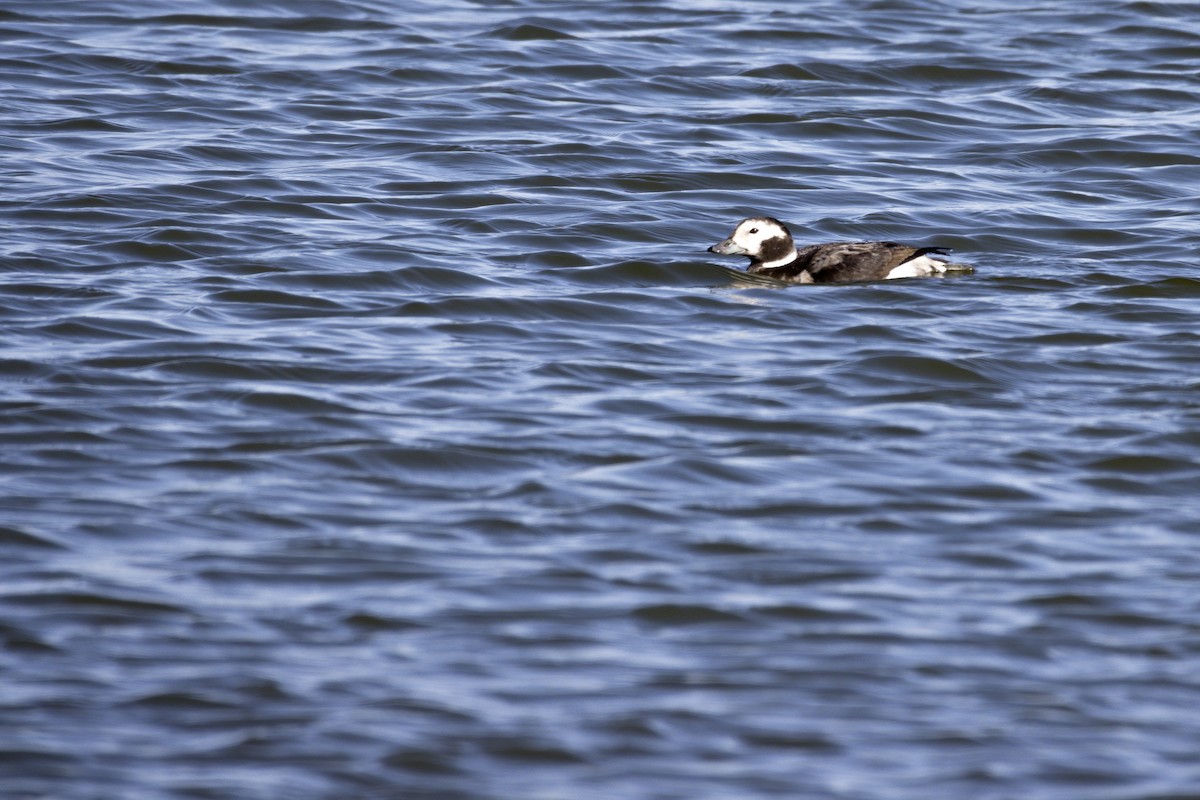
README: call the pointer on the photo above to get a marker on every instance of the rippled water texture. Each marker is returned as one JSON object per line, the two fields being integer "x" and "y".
{"x": 376, "y": 425}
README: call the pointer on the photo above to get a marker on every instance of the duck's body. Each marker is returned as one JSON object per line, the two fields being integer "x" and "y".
{"x": 768, "y": 244}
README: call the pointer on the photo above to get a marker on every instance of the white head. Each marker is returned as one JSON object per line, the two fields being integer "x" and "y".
{"x": 765, "y": 240}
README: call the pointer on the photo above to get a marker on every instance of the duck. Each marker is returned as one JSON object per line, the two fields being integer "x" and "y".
{"x": 772, "y": 252}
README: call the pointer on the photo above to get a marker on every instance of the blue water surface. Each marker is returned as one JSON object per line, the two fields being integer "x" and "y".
{"x": 376, "y": 425}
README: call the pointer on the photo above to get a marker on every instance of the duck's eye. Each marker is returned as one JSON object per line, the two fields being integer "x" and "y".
{"x": 754, "y": 230}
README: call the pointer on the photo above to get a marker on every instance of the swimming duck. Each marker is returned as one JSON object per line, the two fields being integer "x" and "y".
{"x": 768, "y": 243}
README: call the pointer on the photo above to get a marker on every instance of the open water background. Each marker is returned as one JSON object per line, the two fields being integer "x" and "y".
{"x": 375, "y": 425}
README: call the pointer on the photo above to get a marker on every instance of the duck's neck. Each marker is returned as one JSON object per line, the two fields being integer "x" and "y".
{"x": 775, "y": 252}
{"x": 777, "y": 261}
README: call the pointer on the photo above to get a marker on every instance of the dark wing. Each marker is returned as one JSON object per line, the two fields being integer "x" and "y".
{"x": 842, "y": 262}
{"x": 845, "y": 262}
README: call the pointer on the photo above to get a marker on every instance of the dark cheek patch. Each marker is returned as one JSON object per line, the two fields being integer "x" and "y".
{"x": 774, "y": 248}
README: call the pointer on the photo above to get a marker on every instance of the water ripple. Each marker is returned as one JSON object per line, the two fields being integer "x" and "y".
{"x": 376, "y": 423}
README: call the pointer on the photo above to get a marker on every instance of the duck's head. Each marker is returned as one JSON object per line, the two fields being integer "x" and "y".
{"x": 765, "y": 240}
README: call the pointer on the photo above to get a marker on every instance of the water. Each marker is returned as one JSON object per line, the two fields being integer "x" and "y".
{"x": 376, "y": 425}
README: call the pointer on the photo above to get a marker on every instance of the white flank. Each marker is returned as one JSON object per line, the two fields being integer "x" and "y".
{"x": 919, "y": 267}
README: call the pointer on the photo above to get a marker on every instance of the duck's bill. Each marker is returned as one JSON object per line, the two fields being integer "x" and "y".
{"x": 727, "y": 248}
